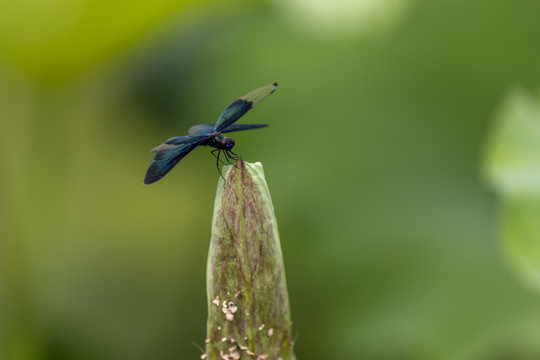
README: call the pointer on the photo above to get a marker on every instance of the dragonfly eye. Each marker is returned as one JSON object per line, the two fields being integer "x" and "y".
{"x": 228, "y": 143}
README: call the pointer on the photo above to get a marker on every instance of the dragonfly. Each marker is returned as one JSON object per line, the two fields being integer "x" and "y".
{"x": 169, "y": 153}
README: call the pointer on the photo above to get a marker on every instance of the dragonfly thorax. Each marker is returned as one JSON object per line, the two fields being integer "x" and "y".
{"x": 220, "y": 142}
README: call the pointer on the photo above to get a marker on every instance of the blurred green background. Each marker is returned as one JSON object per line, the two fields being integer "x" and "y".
{"x": 374, "y": 158}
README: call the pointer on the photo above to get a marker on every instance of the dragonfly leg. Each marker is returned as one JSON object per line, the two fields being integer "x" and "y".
{"x": 232, "y": 158}
{"x": 213, "y": 152}
{"x": 217, "y": 164}
{"x": 226, "y": 157}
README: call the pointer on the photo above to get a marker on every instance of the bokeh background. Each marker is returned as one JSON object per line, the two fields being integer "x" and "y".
{"x": 395, "y": 237}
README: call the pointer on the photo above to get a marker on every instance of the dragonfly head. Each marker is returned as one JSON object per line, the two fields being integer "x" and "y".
{"x": 227, "y": 143}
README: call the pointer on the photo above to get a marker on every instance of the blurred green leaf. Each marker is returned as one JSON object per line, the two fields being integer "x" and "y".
{"x": 55, "y": 40}
{"x": 513, "y": 168}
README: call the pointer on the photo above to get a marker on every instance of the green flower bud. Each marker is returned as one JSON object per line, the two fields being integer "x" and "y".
{"x": 248, "y": 303}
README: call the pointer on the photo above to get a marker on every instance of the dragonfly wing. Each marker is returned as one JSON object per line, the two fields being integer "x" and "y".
{"x": 240, "y": 127}
{"x": 176, "y": 141}
{"x": 165, "y": 160}
{"x": 201, "y": 129}
{"x": 242, "y": 105}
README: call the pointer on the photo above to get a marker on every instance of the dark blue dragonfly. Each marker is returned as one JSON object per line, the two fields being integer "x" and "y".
{"x": 174, "y": 149}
